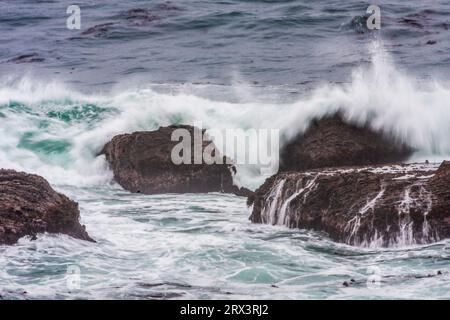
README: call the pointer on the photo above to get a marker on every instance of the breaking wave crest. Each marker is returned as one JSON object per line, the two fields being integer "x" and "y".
{"x": 54, "y": 131}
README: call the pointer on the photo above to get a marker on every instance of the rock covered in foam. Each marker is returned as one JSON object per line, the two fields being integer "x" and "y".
{"x": 331, "y": 142}
{"x": 142, "y": 163}
{"x": 381, "y": 206}
{"x": 28, "y": 206}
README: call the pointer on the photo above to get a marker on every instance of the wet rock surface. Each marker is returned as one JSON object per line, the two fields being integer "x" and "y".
{"x": 142, "y": 163}
{"x": 330, "y": 142}
{"x": 29, "y": 206}
{"x": 368, "y": 206}
{"x": 99, "y": 30}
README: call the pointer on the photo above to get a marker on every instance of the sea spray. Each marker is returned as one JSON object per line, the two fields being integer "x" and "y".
{"x": 379, "y": 95}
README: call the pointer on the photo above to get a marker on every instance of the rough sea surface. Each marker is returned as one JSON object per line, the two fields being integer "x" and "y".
{"x": 135, "y": 65}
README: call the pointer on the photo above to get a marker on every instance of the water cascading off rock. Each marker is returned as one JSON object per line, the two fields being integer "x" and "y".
{"x": 368, "y": 206}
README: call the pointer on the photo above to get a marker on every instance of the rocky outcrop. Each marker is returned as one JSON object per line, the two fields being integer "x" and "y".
{"x": 28, "y": 206}
{"x": 142, "y": 163}
{"x": 26, "y": 58}
{"x": 330, "y": 142}
{"x": 99, "y": 30}
{"x": 440, "y": 188}
{"x": 381, "y": 206}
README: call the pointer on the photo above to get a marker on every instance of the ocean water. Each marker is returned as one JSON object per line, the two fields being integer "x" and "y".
{"x": 230, "y": 64}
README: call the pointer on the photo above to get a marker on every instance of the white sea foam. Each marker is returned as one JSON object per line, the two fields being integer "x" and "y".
{"x": 391, "y": 101}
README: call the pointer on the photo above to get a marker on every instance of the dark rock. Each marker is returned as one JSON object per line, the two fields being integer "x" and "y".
{"x": 384, "y": 206}
{"x": 421, "y": 19}
{"x": 412, "y": 22}
{"x": 28, "y": 206}
{"x": 431, "y": 42}
{"x": 389, "y": 279}
{"x": 330, "y": 142}
{"x": 142, "y": 163}
{"x": 169, "y": 284}
{"x": 141, "y": 17}
{"x": 27, "y": 58}
{"x": 138, "y": 12}
{"x": 168, "y": 6}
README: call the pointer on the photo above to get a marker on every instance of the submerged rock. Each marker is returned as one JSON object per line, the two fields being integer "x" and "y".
{"x": 381, "y": 206}
{"x": 26, "y": 58}
{"x": 142, "y": 163}
{"x": 359, "y": 24}
{"x": 330, "y": 142}
{"x": 28, "y": 206}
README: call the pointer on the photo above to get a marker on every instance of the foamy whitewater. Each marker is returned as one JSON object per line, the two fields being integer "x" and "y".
{"x": 203, "y": 246}
{"x": 59, "y": 132}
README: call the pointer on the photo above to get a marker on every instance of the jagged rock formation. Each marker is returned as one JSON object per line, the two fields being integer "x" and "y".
{"x": 330, "y": 142}
{"x": 28, "y": 206}
{"x": 382, "y": 206}
{"x": 142, "y": 163}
